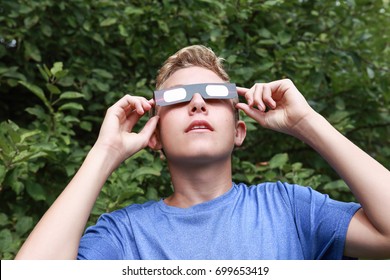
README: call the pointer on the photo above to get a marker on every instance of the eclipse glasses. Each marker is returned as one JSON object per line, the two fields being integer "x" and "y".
{"x": 184, "y": 93}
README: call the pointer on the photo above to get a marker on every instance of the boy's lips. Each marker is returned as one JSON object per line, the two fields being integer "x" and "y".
{"x": 199, "y": 125}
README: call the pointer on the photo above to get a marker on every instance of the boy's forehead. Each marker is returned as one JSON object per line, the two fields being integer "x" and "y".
{"x": 191, "y": 75}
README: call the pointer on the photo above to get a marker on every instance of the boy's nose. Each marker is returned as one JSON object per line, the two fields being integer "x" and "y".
{"x": 197, "y": 104}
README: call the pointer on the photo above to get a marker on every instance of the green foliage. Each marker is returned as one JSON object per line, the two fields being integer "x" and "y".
{"x": 63, "y": 63}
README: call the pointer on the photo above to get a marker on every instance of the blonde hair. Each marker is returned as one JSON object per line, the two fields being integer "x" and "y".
{"x": 196, "y": 55}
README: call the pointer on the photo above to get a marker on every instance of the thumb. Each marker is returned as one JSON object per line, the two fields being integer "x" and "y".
{"x": 148, "y": 129}
{"x": 253, "y": 113}
{"x": 135, "y": 142}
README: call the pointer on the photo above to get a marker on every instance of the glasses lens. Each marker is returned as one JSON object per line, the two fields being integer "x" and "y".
{"x": 217, "y": 90}
{"x": 174, "y": 95}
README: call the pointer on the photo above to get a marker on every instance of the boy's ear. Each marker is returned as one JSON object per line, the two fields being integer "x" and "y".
{"x": 240, "y": 133}
{"x": 154, "y": 141}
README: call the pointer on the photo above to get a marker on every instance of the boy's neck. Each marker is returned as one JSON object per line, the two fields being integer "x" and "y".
{"x": 195, "y": 184}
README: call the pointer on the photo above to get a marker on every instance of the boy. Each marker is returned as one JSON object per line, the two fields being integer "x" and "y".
{"x": 208, "y": 216}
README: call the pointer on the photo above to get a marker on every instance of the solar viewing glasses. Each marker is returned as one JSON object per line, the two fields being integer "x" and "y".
{"x": 184, "y": 93}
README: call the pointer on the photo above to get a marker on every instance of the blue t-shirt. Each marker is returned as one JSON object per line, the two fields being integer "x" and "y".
{"x": 266, "y": 221}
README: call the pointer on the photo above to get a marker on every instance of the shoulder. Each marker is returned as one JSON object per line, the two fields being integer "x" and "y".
{"x": 293, "y": 196}
{"x": 133, "y": 210}
{"x": 272, "y": 195}
{"x": 270, "y": 187}
{"x": 275, "y": 189}
{"x": 118, "y": 221}
{"x": 112, "y": 236}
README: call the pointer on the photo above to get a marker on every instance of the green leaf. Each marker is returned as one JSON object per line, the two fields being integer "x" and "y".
{"x": 70, "y": 119}
{"x": 305, "y": 173}
{"x": 163, "y": 26}
{"x": 44, "y": 74}
{"x": 66, "y": 81}
{"x": 3, "y": 172}
{"x": 71, "y": 106}
{"x": 338, "y": 116}
{"x": 123, "y": 31}
{"x": 47, "y": 30}
{"x": 145, "y": 171}
{"x": 98, "y": 38}
{"x": 103, "y": 73}
{"x": 16, "y": 186}
{"x": 71, "y": 95}
{"x": 36, "y": 191}
{"x": 141, "y": 83}
{"x": 296, "y": 166}
{"x": 13, "y": 131}
{"x": 270, "y": 175}
{"x": 37, "y": 111}
{"x": 265, "y": 33}
{"x": 278, "y": 161}
{"x": 370, "y": 73}
{"x": 5, "y": 240}
{"x": 32, "y": 51}
{"x": 57, "y": 67}
{"x": 61, "y": 74}
{"x": 24, "y": 225}
{"x": 36, "y": 90}
{"x": 28, "y": 155}
{"x": 87, "y": 126}
{"x": 267, "y": 42}
{"x": 3, "y": 219}
{"x": 22, "y": 156}
{"x": 53, "y": 89}
{"x": 131, "y": 191}
{"x": 151, "y": 194}
{"x": 131, "y": 10}
{"x": 265, "y": 66}
{"x": 31, "y": 21}
{"x": 284, "y": 37}
{"x": 108, "y": 22}
{"x": 6, "y": 148}
{"x": 87, "y": 26}
{"x": 339, "y": 185}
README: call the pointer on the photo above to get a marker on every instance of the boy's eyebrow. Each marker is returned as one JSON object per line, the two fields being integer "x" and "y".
{"x": 177, "y": 85}
{"x": 183, "y": 85}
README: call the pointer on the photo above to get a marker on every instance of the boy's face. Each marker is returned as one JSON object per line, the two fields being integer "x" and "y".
{"x": 199, "y": 130}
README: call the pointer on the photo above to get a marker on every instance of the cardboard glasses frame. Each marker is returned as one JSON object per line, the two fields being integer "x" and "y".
{"x": 184, "y": 93}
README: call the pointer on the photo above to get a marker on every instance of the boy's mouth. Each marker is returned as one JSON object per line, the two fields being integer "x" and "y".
{"x": 199, "y": 125}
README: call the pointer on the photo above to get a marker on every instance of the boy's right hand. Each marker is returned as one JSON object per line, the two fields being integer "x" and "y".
{"x": 116, "y": 135}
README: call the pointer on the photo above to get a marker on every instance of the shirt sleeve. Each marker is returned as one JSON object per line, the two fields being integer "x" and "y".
{"x": 108, "y": 239}
{"x": 321, "y": 222}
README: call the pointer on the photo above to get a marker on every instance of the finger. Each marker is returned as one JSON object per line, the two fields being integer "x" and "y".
{"x": 135, "y": 103}
{"x": 247, "y": 93}
{"x": 249, "y": 96}
{"x": 267, "y": 96}
{"x": 148, "y": 130}
{"x": 253, "y": 113}
{"x": 130, "y": 121}
{"x": 241, "y": 90}
{"x": 141, "y": 105}
{"x": 258, "y": 97}
{"x": 152, "y": 102}
{"x": 126, "y": 102}
{"x": 280, "y": 87}
{"x": 124, "y": 106}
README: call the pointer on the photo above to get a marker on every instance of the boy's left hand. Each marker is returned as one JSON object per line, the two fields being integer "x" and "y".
{"x": 277, "y": 105}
